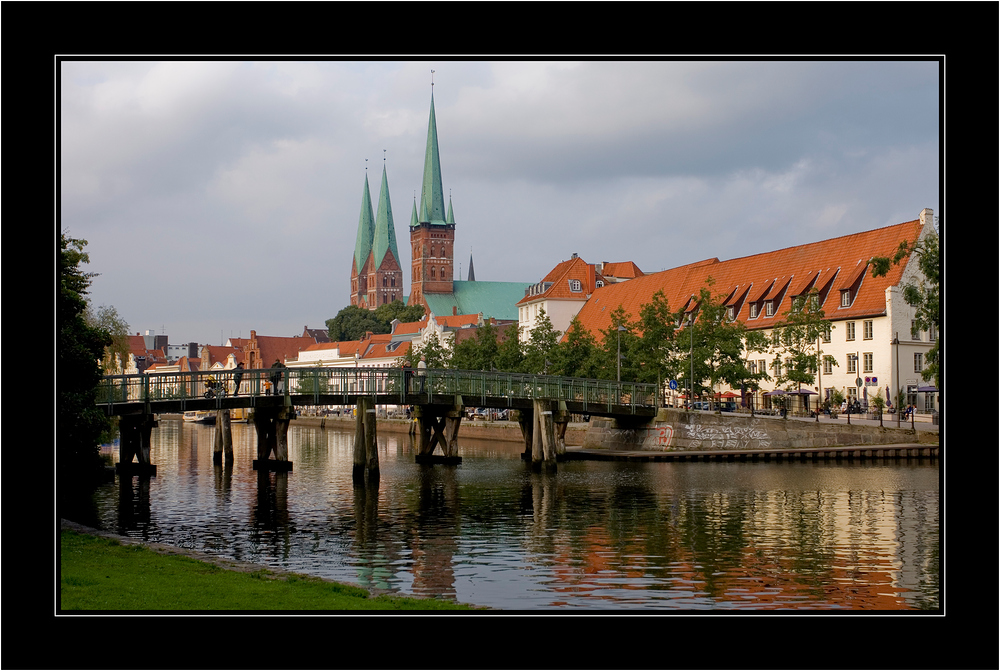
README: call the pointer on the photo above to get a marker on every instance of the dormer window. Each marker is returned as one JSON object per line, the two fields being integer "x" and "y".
{"x": 574, "y": 285}
{"x": 845, "y": 298}
{"x": 769, "y": 308}
{"x": 600, "y": 283}
{"x": 730, "y": 313}
{"x": 753, "y": 311}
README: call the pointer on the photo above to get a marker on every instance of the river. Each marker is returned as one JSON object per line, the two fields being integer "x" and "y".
{"x": 593, "y": 536}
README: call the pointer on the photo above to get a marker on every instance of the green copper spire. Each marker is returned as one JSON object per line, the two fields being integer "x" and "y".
{"x": 432, "y": 193}
{"x": 451, "y": 213}
{"x": 366, "y": 229}
{"x": 385, "y": 232}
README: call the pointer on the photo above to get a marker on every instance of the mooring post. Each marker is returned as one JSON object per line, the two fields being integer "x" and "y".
{"x": 526, "y": 419}
{"x": 223, "y": 437}
{"x": 371, "y": 444}
{"x": 358, "y": 472}
{"x": 272, "y": 436}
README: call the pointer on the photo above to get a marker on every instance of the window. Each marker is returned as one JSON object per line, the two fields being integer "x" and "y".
{"x": 730, "y": 313}
{"x": 762, "y": 365}
{"x": 826, "y": 334}
{"x": 574, "y": 285}
{"x": 827, "y": 365}
{"x": 845, "y": 298}
{"x": 868, "y": 362}
{"x": 918, "y": 362}
{"x": 850, "y": 330}
{"x": 914, "y": 331}
{"x": 868, "y": 329}
{"x": 752, "y": 366}
{"x": 769, "y": 307}
{"x": 852, "y": 363}
{"x": 600, "y": 283}
{"x": 777, "y": 367}
{"x": 932, "y": 333}
{"x": 753, "y": 311}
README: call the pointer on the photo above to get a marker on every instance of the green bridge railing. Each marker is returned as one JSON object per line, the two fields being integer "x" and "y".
{"x": 401, "y": 385}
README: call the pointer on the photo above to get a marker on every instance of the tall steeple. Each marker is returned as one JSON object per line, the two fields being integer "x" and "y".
{"x": 432, "y": 228}
{"x": 384, "y": 239}
{"x": 366, "y": 230}
{"x": 431, "y": 208}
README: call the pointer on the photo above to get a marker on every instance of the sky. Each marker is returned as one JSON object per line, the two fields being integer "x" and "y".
{"x": 220, "y": 197}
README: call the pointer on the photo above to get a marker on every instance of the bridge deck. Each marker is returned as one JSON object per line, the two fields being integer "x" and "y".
{"x": 214, "y": 390}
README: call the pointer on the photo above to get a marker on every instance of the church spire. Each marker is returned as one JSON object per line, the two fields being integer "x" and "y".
{"x": 384, "y": 237}
{"x": 366, "y": 229}
{"x": 472, "y": 271}
{"x": 431, "y": 208}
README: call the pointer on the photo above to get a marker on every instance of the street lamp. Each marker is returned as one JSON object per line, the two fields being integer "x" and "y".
{"x": 620, "y": 329}
{"x": 895, "y": 341}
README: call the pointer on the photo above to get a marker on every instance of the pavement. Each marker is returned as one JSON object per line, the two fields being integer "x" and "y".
{"x": 888, "y": 421}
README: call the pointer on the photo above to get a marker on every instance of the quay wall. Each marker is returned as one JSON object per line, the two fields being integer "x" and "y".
{"x": 681, "y": 430}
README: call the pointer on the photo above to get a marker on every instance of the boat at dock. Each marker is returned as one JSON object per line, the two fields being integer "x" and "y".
{"x": 200, "y": 416}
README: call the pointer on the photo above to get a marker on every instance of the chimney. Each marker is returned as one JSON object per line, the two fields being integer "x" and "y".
{"x": 926, "y": 216}
{"x": 454, "y": 310}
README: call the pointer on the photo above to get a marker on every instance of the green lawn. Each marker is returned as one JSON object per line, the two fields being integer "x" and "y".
{"x": 100, "y": 574}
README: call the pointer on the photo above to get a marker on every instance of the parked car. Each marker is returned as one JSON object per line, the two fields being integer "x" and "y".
{"x": 701, "y": 405}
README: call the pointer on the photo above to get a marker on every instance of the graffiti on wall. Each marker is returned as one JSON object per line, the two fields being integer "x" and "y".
{"x": 659, "y": 437}
{"x": 727, "y": 437}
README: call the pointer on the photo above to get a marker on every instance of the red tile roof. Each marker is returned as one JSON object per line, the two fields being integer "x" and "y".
{"x": 625, "y": 269}
{"x": 846, "y": 257}
{"x": 561, "y": 278}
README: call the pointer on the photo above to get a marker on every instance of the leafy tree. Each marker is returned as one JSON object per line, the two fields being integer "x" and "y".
{"x": 795, "y": 340}
{"x": 353, "y": 322}
{"x": 613, "y": 342}
{"x": 480, "y": 352}
{"x": 510, "y": 352}
{"x": 107, "y": 319}
{"x": 542, "y": 342}
{"x": 575, "y": 356}
{"x": 80, "y": 347}
{"x": 656, "y": 348}
{"x": 924, "y": 295}
{"x": 438, "y": 354}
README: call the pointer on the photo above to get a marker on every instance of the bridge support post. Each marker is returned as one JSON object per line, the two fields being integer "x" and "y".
{"x": 438, "y": 426}
{"x": 366, "y": 470}
{"x": 135, "y": 432}
{"x": 543, "y": 446}
{"x": 561, "y": 418}
{"x": 223, "y": 437}
{"x": 272, "y": 436}
{"x": 527, "y": 422}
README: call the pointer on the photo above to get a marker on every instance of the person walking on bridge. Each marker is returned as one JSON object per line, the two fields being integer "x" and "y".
{"x": 422, "y": 371}
{"x": 237, "y": 378}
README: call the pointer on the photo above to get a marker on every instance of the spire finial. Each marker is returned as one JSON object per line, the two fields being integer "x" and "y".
{"x": 432, "y": 80}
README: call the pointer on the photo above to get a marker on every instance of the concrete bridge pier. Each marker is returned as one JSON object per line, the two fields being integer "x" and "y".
{"x": 134, "y": 434}
{"x": 366, "y": 470}
{"x": 272, "y": 436}
{"x": 437, "y": 425}
{"x": 223, "y": 437}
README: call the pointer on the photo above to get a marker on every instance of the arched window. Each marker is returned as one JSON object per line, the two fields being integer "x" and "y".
{"x": 433, "y": 273}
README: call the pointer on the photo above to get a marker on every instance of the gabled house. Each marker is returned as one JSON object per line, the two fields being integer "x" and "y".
{"x": 872, "y": 335}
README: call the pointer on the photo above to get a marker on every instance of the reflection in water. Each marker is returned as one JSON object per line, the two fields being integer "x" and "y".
{"x": 593, "y": 535}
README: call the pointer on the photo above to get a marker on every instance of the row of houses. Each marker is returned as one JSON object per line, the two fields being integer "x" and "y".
{"x": 874, "y": 347}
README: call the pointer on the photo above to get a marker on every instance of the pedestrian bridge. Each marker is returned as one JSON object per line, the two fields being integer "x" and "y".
{"x": 438, "y": 398}
{"x": 122, "y": 395}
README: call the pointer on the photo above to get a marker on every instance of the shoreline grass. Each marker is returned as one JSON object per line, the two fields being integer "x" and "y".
{"x": 102, "y": 574}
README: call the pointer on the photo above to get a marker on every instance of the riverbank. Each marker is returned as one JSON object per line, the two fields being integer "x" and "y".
{"x": 100, "y": 571}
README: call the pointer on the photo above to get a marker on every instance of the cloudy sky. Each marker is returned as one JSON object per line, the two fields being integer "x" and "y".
{"x": 220, "y": 197}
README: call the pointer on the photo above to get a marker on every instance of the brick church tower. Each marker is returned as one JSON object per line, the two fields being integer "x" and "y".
{"x": 432, "y": 232}
{"x": 376, "y": 273}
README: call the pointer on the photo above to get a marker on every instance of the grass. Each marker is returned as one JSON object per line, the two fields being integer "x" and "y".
{"x": 101, "y": 574}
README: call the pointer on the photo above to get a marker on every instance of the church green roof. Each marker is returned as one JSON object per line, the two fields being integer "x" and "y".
{"x": 384, "y": 239}
{"x": 493, "y": 299}
{"x": 366, "y": 229}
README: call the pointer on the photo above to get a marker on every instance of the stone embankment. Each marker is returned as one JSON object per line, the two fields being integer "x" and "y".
{"x": 695, "y": 431}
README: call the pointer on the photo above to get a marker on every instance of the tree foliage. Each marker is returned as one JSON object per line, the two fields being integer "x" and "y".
{"x": 107, "y": 319}
{"x": 795, "y": 340}
{"x": 352, "y": 322}
{"x": 80, "y": 347}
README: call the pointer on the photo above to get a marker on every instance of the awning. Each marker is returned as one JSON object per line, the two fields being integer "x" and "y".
{"x": 928, "y": 389}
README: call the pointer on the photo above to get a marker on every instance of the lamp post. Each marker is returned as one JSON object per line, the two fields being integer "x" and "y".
{"x": 895, "y": 341}
{"x": 619, "y": 359}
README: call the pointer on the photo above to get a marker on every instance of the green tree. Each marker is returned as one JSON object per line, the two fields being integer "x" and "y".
{"x": 510, "y": 352}
{"x": 656, "y": 347}
{"x": 437, "y": 352}
{"x": 107, "y": 319}
{"x": 80, "y": 348}
{"x": 575, "y": 356}
{"x": 352, "y": 322}
{"x": 924, "y": 294}
{"x": 796, "y": 338}
{"x": 614, "y": 342}
{"x": 542, "y": 342}
{"x": 479, "y": 352}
